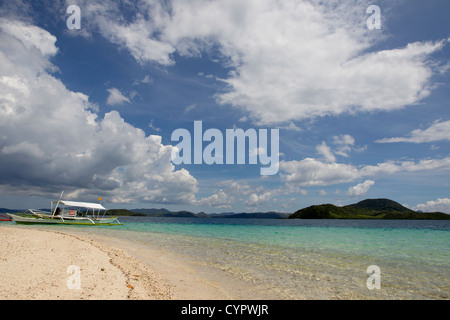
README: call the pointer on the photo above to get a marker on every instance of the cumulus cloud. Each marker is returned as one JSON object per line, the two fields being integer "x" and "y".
{"x": 139, "y": 32}
{"x": 50, "y": 138}
{"x": 314, "y": 172}
{"x": 256, "y": 200}
{"x": 289, "y": 60}
{"x": 325, "y": 151}
{"x": 116, "y": 97}
{"x": 391, "y": 167}
{"x": 30, "y": 36}
{"x": 441, "y": 205}
{"x": 344, "y": 144}
{"x": 360, "y": 189}
{"x": 229, "y": 192}
{"x": 220, "y": 199}
{"x": 438, "y": 131}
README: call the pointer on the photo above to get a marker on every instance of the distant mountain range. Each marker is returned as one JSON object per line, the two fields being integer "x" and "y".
{"x": 4, "y": 210}
{"x": 366, "y": 209}
{"x": 181, "y": 214}
{"x": 187, "y": 214}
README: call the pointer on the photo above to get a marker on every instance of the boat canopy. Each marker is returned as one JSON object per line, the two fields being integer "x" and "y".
{"x": 82, "y": 204}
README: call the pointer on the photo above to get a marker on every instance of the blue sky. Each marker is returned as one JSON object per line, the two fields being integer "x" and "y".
{"x": 362, "y": 113}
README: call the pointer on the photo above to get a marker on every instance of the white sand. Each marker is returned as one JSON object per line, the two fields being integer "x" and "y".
{"x": 34, "y": 265}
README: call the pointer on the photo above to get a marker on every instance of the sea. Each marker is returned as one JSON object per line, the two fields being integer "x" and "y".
{"x": 303, "y": 259}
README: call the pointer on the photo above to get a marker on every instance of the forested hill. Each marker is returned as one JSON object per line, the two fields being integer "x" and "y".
{"x": 366, "y": 209}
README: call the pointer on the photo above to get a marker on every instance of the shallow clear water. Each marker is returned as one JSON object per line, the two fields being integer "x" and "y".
{"x": 313, "y": 259}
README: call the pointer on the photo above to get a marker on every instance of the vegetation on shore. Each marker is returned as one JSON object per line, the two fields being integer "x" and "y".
{"x": 366, "y": 209}
{"x": 123, "y": 212}
{"x": 187, "y": 214}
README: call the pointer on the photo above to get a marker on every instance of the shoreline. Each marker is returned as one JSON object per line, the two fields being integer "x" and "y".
{"x": 36, "y": 261}
{"x": 129, "y": 265}
{"x": 35, "y": 265}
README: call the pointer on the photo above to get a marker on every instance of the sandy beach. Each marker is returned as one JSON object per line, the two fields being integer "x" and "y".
{"x": 38, "y": 262}
{"x": 41, "y": 264}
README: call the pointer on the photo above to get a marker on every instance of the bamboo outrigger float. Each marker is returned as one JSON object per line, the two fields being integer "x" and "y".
{"x": 67, "y": 212}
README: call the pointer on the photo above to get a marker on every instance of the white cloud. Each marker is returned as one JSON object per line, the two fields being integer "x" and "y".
{"x": 438, "y": 131}
{"x": 151, "y": 125}
{"x": 136, "y": 32}
{"x": 325, "y": 151}
{"x": 189, "y": 108}
{"x": 360, "y": 189}
{"x": 50, "y": 139}
{"x": 147, "y": 79}
{"x": 30, "y": 36}
{"x": 226, "y": 194}
{"x": 345, "y": 143}
{"x": 290, "y": 60}
{"x": 313, "y": 172}
{"x": 282, "y": 73}
{"x": 291, "y": 127}
{"x": 257, "y": 200}
{"x": 116, "y": 97}
{"x": 252, "y": 195}
{"x": 440, "y": 205}
{"x": 136, "y": 37}
{"x": 390, "y": 167}
{"x": 218, "y": 200}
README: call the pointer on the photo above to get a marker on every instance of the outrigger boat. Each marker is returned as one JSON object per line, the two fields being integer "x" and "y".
{"x": 67, "y": 212}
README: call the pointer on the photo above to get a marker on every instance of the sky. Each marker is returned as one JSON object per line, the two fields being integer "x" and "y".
{"x": 91, "y": 95}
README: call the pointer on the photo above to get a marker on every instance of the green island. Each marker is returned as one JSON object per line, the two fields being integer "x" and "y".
{"x": 366, "y": 209}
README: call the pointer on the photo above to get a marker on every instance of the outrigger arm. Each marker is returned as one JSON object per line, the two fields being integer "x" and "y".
{"x": 57, "y": 204}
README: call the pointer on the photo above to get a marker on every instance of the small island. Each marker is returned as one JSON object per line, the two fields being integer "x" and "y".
{"x": 366, "y": 209}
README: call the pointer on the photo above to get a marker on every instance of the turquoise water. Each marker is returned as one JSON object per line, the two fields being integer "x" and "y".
{"x": 422, "y": 240}
{"x": 419, "y": 240}
{"x": 325, "y": 258}
{"x": 303, "y": 259}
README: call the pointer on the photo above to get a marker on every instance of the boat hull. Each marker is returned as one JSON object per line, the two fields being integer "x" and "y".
{"x": 30, "y": 219}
